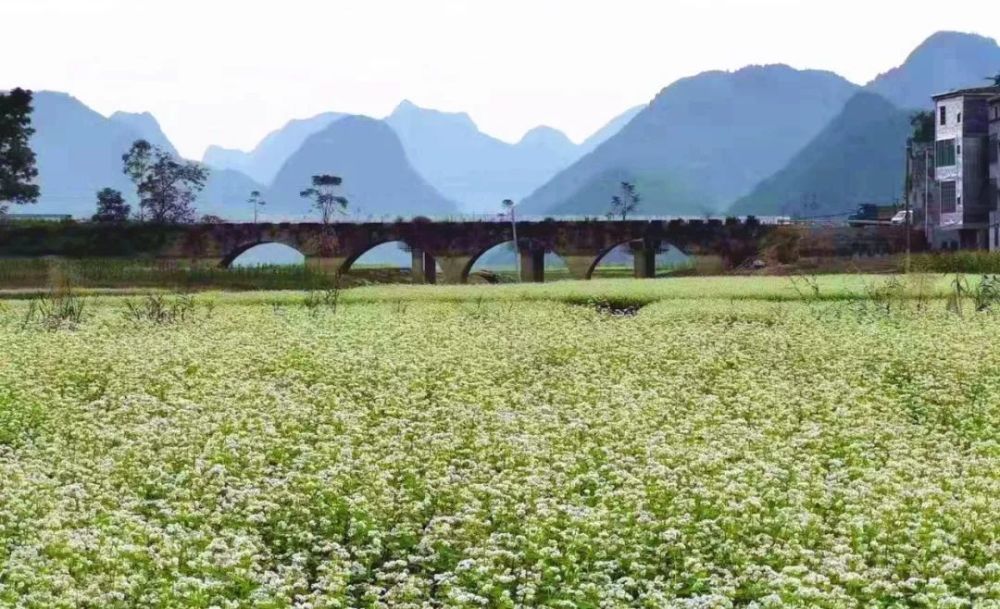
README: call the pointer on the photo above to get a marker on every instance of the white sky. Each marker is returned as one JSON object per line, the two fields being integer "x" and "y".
{"x": 228, "y": 71}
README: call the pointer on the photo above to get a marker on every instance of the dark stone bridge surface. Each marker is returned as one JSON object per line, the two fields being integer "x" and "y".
{"x": 454, "y": 246}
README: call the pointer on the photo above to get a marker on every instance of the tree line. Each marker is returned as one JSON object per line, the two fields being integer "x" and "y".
{"x": 166, "y": 186}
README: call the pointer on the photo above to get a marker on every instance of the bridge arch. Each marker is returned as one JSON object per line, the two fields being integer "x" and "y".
{"x": 231, "y": 257}
{"x": 640, "y": 257}
{"x": 422, "y": 266}
{"x": 501, "y": 256}
{"x": 368, "y": 249}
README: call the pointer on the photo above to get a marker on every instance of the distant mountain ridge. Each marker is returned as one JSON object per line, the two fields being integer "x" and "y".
{"x": 264, "y": 162}
{"x": 474, "y": 169}
{"x": 760, "y": 138}
{"x": 609, "y": 130}
{"x": 447, "y": 148}
{"x": 79, "y": 152}
{"x": 378, "y": 178}
{"x": 859, "y": 157}
{"x": 945, "y": 61}
{"x": 702, "y": 142}
{"x": 146, "y": 125}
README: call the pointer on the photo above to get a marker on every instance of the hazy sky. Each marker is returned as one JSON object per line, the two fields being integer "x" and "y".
{"x": 229, "y": 71}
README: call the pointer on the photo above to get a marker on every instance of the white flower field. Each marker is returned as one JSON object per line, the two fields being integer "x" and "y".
{"x": 431, "y": 447}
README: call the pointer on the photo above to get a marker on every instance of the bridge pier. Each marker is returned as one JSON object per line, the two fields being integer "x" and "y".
{"x": 532, "y": 265}
{"x": 328, "y": 265}
{"x": 424, "y": 267}
{"x": 644, "y": 261}
{"x": 579, "y": 266}
{"x": 454, "y": 268}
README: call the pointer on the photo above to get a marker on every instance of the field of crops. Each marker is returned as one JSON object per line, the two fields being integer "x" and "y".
{"x": 673, "y": 443}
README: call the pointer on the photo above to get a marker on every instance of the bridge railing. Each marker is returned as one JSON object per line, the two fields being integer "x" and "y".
{"x": 503, "y": 218}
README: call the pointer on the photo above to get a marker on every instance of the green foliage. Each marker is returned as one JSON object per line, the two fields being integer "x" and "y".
{"x": 984, "y": 294}
{"x": 115, "y": 273}
{"x": 624, "y": 203}
{"x": 324, "y": 197}
{"x": 111, "y": 207}
{"x": 923, "y": 126}
{"x": 17, "y": 160}
{"x": 962, "y": 261}
{"x": 494, "y": 447}
{"x": 858, "y": 158}
{"x": 58, "y": 310}
{"x": 323, "y": 300}
{"x": 160, "y": 309}
{"x": 167, "y": 186}
{"x": 782, "y": 244}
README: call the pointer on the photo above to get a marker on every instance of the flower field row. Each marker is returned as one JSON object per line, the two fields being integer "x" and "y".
{"x": 500, "y": 453}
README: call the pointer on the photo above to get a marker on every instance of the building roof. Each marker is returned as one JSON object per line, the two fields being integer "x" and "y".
{"x": 969, "y": 92}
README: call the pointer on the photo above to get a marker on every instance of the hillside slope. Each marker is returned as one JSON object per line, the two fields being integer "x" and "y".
{"x": 702, "y": 142}
{"x": 472, "y": 168}
{"x": 945, "y": 61}
{"x": 264, "y": 162}
{"x": 858, "y": 158}
{"x": 378, "y": 178}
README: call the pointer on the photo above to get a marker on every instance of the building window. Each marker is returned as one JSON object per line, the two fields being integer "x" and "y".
{"x": 948, "y": 197}
{"x": 994, "y": 148}
{"x": 944, "y": 116}
{"x": 959, "y": 117}
{"x": 945, "y": 154}
{"x": 958, "y": 150}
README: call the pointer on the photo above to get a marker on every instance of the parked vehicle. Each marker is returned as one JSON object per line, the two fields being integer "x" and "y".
{"x": 871, "y": 214}
{"x": 901, "y": 217}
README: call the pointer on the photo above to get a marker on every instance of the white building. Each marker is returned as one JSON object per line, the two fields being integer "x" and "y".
{"x": 961, "y": 160}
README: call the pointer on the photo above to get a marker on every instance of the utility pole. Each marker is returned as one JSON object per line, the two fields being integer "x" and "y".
{"x": 509, "y": 205}
{"x": 906, "y": 208}
{"x": 927, "y": 189}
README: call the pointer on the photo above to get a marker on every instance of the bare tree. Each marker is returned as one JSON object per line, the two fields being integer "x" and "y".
{"x": 624, "y": 203}
{"x": 324, "y": 196}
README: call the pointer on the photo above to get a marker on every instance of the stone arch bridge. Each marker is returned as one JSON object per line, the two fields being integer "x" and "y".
{"x": 454, "y": 246}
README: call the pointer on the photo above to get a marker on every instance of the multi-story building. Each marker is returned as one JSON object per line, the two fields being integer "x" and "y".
{"x": 994, "y": 160}
{"x": 962, "y": 169}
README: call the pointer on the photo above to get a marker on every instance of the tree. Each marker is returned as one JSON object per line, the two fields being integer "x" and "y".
{"x": 256, "y": 201}
{"x": 923, "y": 127}
{"x": 324, "y": 196}
{"x": 17, "y": 160}
{"x": 167, "y": 186}
{"x": 211, "y": 219}
{"x": 625, "y": 203}
{"x": 111, "y": 207}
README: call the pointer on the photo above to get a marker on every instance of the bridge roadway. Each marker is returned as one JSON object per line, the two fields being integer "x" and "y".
{"x": 453, "y": 246}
